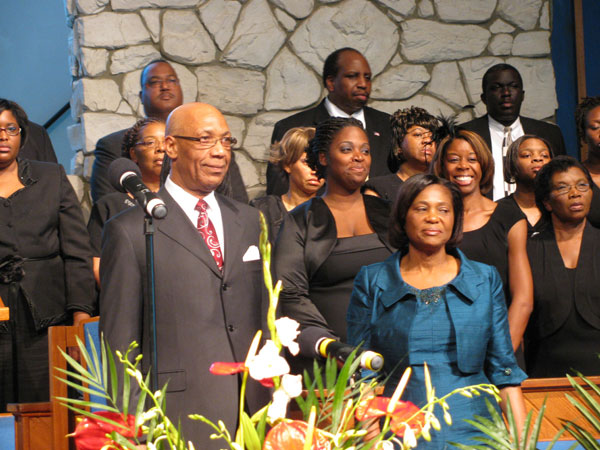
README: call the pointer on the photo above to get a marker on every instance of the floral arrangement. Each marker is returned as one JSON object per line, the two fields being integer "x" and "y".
{"x": 339, "y": 411}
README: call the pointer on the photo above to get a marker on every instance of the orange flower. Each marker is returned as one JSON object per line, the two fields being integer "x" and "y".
{"x": 93, "y": 434}
{"x": 227, "y": 368}
{"x": 291, "y": 436}
{"x": 374, "y": 407}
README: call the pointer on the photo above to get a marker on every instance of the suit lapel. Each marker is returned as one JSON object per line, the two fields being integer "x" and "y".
{"x": 233, "y": 230}
{"x": 321, "y": 113}
{"x": 177, "y": 227}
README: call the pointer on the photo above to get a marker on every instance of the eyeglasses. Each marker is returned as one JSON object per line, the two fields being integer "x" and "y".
{"x": 152, "y": 143}
{"x": 426, "y": 135}
{"x": 206, "y": 142}
{"x": 11, "y": 130}
{"x": 566, "y": 188}
{"x": 155, "y": 83}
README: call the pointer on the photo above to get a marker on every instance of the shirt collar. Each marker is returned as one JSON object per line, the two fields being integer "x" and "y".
{"x": 467, "y": 281}
{"x": 186, "y": 200}
{"x": 334, "y": 111}
{"x": 499, "y": 128}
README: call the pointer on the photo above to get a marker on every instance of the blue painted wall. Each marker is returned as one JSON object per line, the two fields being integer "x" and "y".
{"x": 563, "y": 57}
{"x": 34, "y": 71}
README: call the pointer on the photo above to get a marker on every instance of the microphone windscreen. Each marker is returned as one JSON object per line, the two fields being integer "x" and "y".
{"x": 116, "y": 170}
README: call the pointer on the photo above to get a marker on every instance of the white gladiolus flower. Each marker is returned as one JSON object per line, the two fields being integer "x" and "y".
{"x": 268, "y": 363}
{"x": 291, "y": 386}
{"x": 410, "y": 441}
{"x": 287, "y": 331}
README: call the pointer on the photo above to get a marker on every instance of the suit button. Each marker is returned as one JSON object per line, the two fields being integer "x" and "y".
{"x": 507, "y": 372}
{"x": 224, "y": 286}
{"x": 7, "y": 203}
{"x": 231, "y": 328}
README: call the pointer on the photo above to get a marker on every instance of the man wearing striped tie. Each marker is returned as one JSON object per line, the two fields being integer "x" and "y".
{"x": 503, "y": 94}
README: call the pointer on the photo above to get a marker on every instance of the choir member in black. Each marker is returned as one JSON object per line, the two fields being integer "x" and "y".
{"x": 413, "y": 130}
{"x": 324, "y": 242}
{"x": 524, "y": 159}
{"x": 564, "y": 332}
{"x": 46, "y": 273}
{"x": 587, "y": 117}
{"x": 144, "y": 144}
{"x": 492, "y": 233}
{"x": 290, "y": 156}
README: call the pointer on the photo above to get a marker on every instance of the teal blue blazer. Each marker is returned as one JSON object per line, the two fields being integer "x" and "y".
{"x": 380, "y": 318}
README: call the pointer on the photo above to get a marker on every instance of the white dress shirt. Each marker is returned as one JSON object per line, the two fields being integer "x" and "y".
{"x": 188, "y": 203}
{"x": 497, "y": 137}
{"x": 334, "y": 111}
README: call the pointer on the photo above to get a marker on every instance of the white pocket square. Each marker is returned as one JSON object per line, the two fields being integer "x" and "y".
{"x": 252, "y": 254}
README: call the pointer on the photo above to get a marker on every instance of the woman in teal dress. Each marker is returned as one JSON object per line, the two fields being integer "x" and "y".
{"x": 428, "y": 303}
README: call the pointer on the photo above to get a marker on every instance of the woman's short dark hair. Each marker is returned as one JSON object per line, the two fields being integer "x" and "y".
{"x": 325, "y": 133}
{"x": 483, "y": 153}
{"x": 133, "y": 134}
{"x": 406, "y": 196}
{"x": 20, "y": 116}
{"x": 543, "y": 180}
{"x": 583, "y": 108}
{"x": 511, "y": 167}
{"x": 292, "y": 146}
{"x": 402, "y": 120}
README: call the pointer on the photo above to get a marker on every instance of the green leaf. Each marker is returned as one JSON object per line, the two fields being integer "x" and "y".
{"x": 261, "y": 427}
{"x": 122, "y": 440}
{"x": 251, "y": 439}
{"x": 126, "y": 391}
{"x": 114, "y": 380}
{"x": 88, "y": 404}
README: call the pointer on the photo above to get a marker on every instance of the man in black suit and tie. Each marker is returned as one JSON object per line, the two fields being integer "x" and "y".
{"x": 208, "y": 276}
{"x": 503, "y": 94}
{"x": 347, "y": 78}
{"x": 160, "y": 94}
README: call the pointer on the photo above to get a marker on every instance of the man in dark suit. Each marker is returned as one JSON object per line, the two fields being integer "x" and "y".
{"x": 160, "y": 94}
{"x": 347, "y": 78}
{"x": 38, "y": 146}
{"x": 208, "y": 294}
{"x": 503, "y": 94}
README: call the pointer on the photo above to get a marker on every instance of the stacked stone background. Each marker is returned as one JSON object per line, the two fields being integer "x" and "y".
{"x": 261, "y": 60}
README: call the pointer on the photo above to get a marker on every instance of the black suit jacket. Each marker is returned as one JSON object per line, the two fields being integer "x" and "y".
{"x": 307, "y": 237}
{"x": 108, "y": 149}
{"x": 203, "y": 315}
{"x": 548, "y": 131}
{"x": 379, "y": 132}
{"x": 38, "y": 146}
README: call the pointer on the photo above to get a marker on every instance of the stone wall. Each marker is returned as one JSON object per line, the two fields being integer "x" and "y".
{"x": 260, "y": 60}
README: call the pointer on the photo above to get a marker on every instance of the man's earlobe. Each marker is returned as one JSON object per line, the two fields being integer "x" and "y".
{"x": 482, "y": 97}
{"x": 329, "y": 84}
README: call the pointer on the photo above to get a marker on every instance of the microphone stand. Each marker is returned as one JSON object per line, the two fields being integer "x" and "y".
{"x": 150, "y": 285}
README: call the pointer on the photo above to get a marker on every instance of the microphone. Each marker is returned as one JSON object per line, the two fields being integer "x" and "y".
{"x": 368, "y": 359}
{"x": 125, "y": 176}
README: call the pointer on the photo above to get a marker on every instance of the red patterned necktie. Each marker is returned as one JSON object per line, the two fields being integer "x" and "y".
{"x": 207, "y": 230}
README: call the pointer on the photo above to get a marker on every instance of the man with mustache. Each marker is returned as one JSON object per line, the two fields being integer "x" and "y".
{"x": 347, "y": 78}
{"x": 208, "y": 277}
{"x": 160, "y": 94}
{"x": 503, "y": 94}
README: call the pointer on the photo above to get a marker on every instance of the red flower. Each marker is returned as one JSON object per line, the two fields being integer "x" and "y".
{"x": 227, "y": 368}
{"x": 93, "y": 434}
{"x": 231, "y": 368}
{"x": 377, "y": 407}
{"x": 291, "y": 436}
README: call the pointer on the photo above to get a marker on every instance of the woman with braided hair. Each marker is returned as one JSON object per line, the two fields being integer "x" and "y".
{"x": 325, "y": 241}
{"x": 144, "y": 144}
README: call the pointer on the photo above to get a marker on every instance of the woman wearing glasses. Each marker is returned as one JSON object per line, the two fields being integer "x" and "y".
{"x": 564, "y": 331}
{"x": 413, "y": 149}
{"x": 46, "y": 273}
{"x": 144, "y": 144}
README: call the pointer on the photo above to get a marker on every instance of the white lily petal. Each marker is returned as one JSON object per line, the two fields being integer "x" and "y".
{"x": 287, "y": 331}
